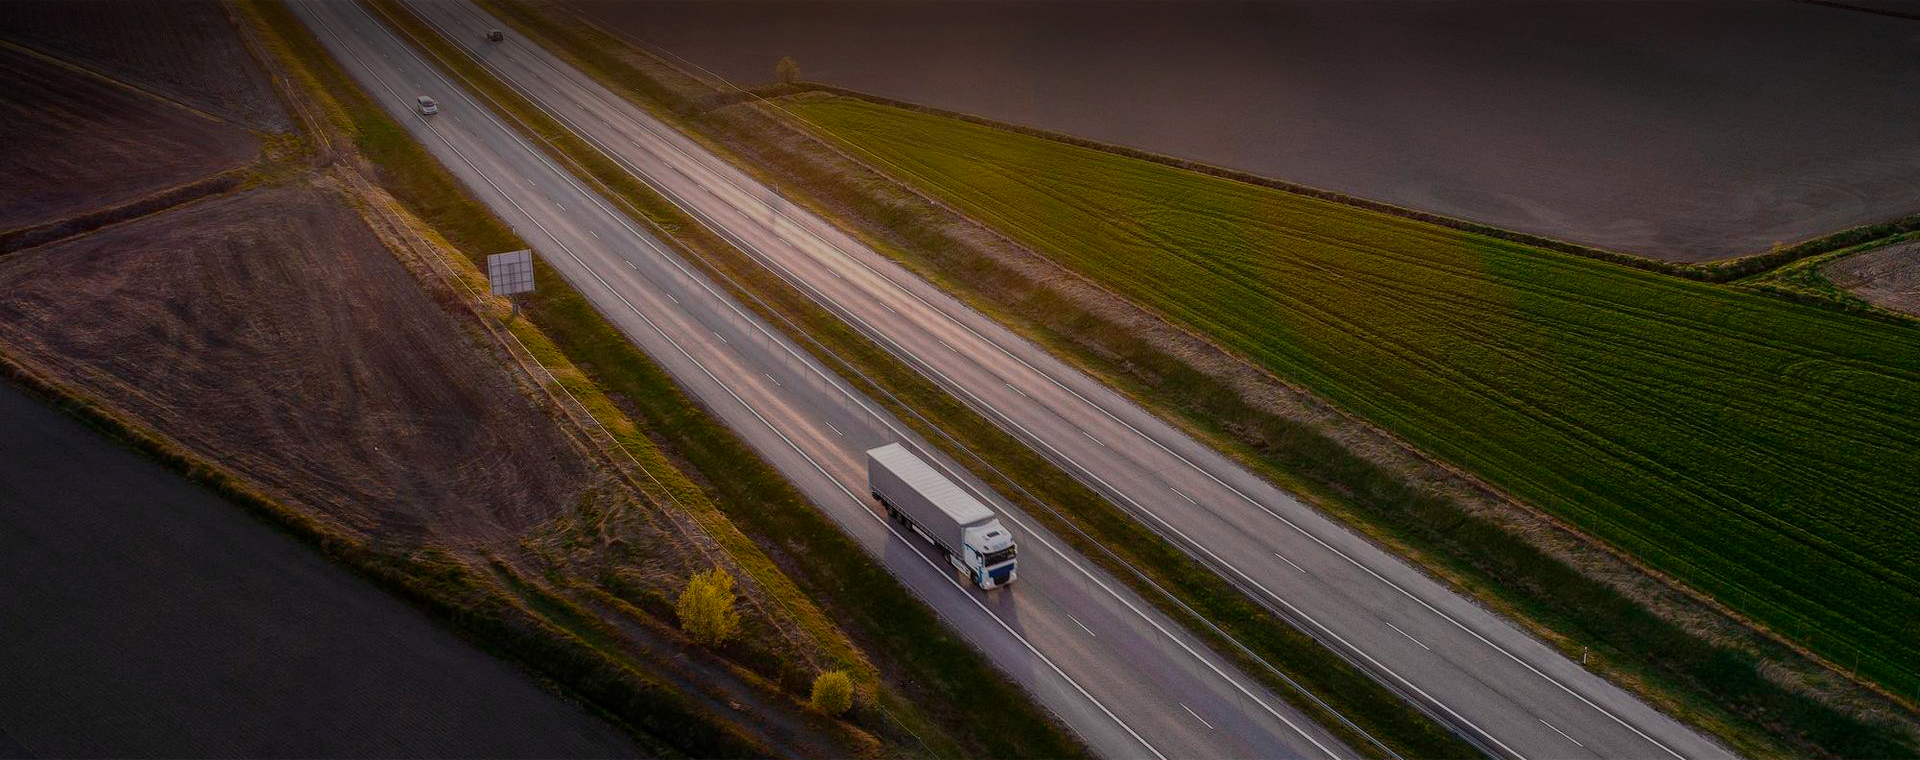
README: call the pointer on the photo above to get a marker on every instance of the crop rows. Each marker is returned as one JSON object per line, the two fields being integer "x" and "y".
{"x": 1763, "y": 451}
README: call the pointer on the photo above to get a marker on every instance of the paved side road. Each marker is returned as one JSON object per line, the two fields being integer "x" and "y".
{"x": 1482, "y": 675}
{"x": 1120, "y": 675}
{"x": 142, "y": 616}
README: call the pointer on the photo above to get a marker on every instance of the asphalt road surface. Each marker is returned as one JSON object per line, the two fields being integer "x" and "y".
{"x": 1122, "y": 676}
{"x": 142, "y": 616}
{"x": 1495, "y": 684}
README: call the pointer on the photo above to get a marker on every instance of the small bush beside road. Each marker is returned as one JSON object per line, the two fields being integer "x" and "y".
{"x": 833, "y": 692}
{"x": 706, "y": 608}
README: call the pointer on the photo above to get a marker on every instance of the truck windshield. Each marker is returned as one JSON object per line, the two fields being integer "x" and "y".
{"x": 989, "y": 560}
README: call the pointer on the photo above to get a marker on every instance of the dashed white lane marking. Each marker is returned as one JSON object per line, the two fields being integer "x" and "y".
{"x": 556, "y": 204}
{"x": 670, "y": 297}
{"x": 775, "y": 382}
{"x": 836, "y": 431}
{"x": 890, "y": 309}
{"x": 1091, "y": 438}
{"x": 596, "y": 235}
{"x": 631, "y": 266}
{"x": 1183, "y": 495}
{"x": 943, "y": 344}
{"x": 723, "y": 338}
{"x": 1023, "y": 394}
{"x": 1196, "y": 716}
{"x": 1283, "y": 558}
{"x": 1083, "y": 626}
{"x": 1396, "y": 629}
{"x": 1576, "y": 742}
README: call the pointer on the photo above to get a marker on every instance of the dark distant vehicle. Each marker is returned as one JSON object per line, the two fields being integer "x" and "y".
{"x": 495, "y": 35}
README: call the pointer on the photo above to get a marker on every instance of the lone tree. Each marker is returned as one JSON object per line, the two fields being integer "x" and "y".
{"x": 833, "y": 692}
{"x": 787, "y": 71}
{"x": 706, "y": 608}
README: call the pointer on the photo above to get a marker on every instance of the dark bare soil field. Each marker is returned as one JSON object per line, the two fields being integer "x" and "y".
{"x": 1888, "y": 276}
{"x": 167, "y": 623}
{"x": 71, "y": 142}
{"x": 185, "y": 49}
{"x": 272, "y": 332}
{"x": 1680, "y": 131}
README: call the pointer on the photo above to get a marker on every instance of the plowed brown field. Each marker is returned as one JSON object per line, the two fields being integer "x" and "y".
{"x": 184, "y": 49}
{"x": 272, "y": 332}
{"x": 72, "y": 142}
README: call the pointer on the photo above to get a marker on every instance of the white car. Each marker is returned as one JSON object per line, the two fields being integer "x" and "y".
{"x": 428, "y": 106}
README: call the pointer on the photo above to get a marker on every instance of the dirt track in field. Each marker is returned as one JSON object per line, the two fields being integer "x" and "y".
{"x": 184, "y": 49}
{"x": 1888, "y": 277}
{"x": 71, "y": 142}
{"x": 271, "y": 331}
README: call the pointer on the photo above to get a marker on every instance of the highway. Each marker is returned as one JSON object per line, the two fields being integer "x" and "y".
{"x": 1123, "y": 677}
{"x": 1492, "y": 682}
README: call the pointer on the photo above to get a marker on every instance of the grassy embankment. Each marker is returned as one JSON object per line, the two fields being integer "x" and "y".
{"x": 1091, "y": 524}
{"x": 1754, "y": 448}
{"x": 937, "y": 689}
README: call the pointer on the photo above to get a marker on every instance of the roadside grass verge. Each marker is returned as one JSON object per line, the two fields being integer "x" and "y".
{"x": 928, "y": 683}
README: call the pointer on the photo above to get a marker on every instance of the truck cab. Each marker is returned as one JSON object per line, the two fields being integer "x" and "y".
{"x": 989, "y": 555}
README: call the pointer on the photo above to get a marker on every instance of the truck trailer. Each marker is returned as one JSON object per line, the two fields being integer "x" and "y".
{"x": 965, "y": 531}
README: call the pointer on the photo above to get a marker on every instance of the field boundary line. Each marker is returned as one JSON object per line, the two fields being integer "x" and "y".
{"x": 89, "y": 222}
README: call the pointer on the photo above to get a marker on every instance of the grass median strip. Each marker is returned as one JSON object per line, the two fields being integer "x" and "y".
{"x": 1090, "y": 522}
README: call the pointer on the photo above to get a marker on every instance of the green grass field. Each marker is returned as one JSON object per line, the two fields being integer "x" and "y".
{"x": 1763, "y": 451}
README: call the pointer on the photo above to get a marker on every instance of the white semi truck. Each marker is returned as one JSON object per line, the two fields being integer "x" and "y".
{"x": 965, "y": 531}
